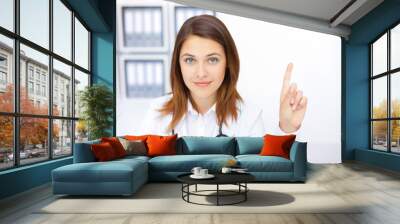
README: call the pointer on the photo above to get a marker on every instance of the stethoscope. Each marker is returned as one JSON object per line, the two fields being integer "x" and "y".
{"x": 220, "y": 134}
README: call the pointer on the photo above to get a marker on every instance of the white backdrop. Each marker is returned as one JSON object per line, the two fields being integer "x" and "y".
{"x": 265, "y": 49}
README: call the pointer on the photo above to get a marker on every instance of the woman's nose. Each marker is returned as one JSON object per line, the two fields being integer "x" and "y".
{"x": 201, "y": 70}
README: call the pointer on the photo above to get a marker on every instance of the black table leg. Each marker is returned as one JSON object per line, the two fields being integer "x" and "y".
{"x": 245, "y": 193}
{"x": 217, "y": 194}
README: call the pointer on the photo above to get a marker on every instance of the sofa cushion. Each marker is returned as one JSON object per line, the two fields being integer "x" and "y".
{"x": 161, "y": 145}
{"x": 257, "y": 163}
{"x": 195, "y": 145}
{"x": 185, "y": 163}
{"x": 111, "y": 171}
{"x": 275, "y": 145}
{"x": 116, "y": 145}
{"x": 103, "y": 151}
{"x": 134, "y": 147}
{"x": 249, "y": 145}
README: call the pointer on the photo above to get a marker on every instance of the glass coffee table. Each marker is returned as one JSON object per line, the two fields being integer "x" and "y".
{"x": 238, "y": 179}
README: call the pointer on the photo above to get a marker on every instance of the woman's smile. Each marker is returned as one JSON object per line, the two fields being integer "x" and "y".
{"x": 203, "y": 83}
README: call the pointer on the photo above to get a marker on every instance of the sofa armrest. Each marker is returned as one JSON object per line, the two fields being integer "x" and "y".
{"x": 83, "y": 152}
{"x": 298, "y": 155}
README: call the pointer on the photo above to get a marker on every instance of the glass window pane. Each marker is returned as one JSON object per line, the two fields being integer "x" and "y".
{"x": 7, "y": 14}
{"x": 6, "y": 142}
{"x": 62, "y": 138}
{"x": 81, "y": 81}
{"x": 395, "y": 47}
{"x": 379, "y": 98}
{"x": 379, "y": 135}
{"x": 6, "y": 74}
{"x": 35, "y": 21}
{"x": 143, "y": 26}
{"x": 34, "y": 97}
{"x": 81, "y": 45}
{"x": 379, "y": 55}
{"x": 62, "y": 29}
{"x": 395, "y": 94}
{"x": 62, "y": 89}
{"x": 33, "y": 140}
{"x": 395, "y": 136}
{"x": 144, "y": 78}
{"x": 81, "y": 131}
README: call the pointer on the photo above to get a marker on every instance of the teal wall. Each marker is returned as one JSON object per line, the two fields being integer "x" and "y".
{"x": 99, "y": 16}
{"x": 356, "y": 85}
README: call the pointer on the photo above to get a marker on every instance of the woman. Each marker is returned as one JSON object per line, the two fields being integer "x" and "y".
{"x": 204, "y": 99}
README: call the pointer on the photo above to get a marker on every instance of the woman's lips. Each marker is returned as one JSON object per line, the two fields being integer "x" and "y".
{"x": 202, "y": 84}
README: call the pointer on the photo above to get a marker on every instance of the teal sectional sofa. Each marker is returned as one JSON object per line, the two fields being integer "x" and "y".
{"x": 125, "y": 176}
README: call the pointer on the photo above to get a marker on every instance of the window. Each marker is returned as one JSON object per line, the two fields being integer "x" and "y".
{"x": 44, "y": 91}
{"x": 7, "y": 14}
{"x": 30, "y": 87}
{"x": 3, "y": 61}
{"x": 3, "y": 78}
{"x": 34, "y": 21}
{"x": 53, "y": 125}
{"x": 62, "y": 29}
{"x": 81, "y": 45}
{"x": 37, "y": 75}
{"x": 30, "y": 72}
{"x": 62, "y": 74}
{"x": 385, "y": 97}
{"x": 38, "y": 89}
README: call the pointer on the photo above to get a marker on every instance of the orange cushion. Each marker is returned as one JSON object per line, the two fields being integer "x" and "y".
{"x": 103, "y": 151}
{"x": 116, "y": 145}
{"x": 161, "y": 145}
{"x": 277, "y": 145}
{"x": 135, "y": 138}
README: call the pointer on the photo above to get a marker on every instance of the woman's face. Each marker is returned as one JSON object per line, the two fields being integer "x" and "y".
{"x": 203, "y": 64}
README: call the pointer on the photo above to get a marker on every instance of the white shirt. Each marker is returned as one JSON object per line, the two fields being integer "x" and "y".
{"x": 248, "y": 123}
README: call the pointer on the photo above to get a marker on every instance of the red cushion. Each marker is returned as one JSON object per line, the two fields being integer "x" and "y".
{"x": 103, "y": 151}
{"x": 277, "y": 145}
{"x": 116, "y": 145}
{"x": 161, "y": 145}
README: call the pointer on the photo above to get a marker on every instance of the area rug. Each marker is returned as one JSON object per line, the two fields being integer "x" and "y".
{"x": 167, "y": 198}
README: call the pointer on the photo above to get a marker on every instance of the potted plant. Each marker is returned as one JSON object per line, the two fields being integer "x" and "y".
{"x": 96, "y": 102}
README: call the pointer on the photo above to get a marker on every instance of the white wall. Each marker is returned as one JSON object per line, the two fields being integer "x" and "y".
{"x": 264, "y": 50}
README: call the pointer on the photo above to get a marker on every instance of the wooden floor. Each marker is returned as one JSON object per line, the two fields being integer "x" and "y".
{"x": 378, "y": 188}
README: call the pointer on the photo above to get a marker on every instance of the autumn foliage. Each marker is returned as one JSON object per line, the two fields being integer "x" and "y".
{"x": 33, "y": 131}
{"x": 380, "y": 127}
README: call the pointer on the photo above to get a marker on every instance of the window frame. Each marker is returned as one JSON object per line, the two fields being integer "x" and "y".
{"x": 388, "y": 74}
{"x": 16, "y": 114}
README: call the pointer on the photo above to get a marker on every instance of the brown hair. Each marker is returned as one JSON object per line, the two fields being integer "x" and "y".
{"x": 210, "y": 27}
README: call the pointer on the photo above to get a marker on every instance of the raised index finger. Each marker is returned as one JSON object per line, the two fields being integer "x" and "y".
{"x": 286, "y": 78}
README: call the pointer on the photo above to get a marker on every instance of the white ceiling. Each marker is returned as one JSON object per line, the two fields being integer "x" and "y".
{"x": 315, "y": 15}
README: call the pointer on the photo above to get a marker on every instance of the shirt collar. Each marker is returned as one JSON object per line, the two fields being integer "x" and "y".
{"x": 193, "y": 111}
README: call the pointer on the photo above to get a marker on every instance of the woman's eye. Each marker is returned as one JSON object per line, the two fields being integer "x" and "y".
{"x": 213, "y": 60}
{"x": 189, "y": 60}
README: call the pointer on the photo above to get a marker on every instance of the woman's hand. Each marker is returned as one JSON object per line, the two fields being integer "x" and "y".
{"x": 293, "y": 104}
